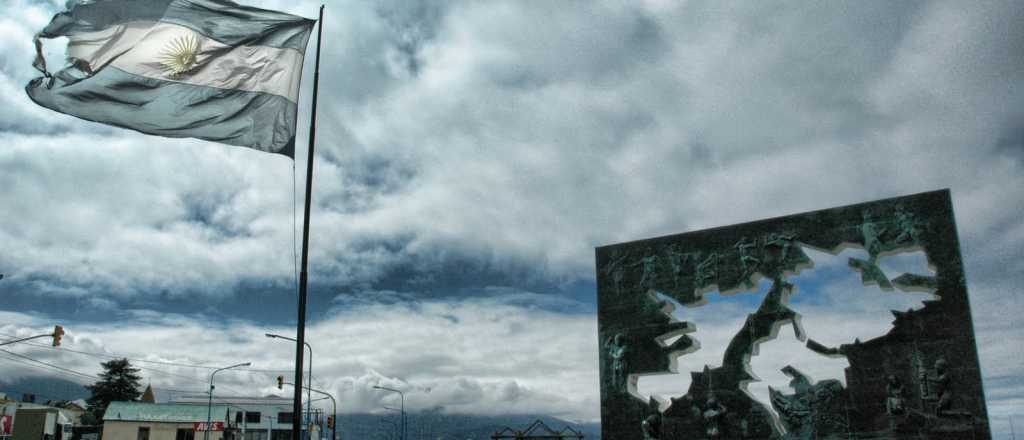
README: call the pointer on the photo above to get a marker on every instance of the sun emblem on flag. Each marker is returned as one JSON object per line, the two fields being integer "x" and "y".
{"x": 179, "y": 56}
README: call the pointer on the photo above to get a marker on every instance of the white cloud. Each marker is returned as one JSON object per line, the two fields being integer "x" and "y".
{"x": 485, "y": 356}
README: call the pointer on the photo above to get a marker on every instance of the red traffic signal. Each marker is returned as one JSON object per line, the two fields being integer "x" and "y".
{"x": 58, "y": 332}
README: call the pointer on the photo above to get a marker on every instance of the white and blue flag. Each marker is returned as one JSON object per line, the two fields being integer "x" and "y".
{"x": 208, "y": 69}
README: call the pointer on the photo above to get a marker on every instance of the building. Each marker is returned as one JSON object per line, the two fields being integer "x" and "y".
{"x": 163, "y": 421}
{"x": 255, "y": 418}
{"x": 72, "y": 409}
{"x": 41, "y": 423}
{"x": 37, "y": 421}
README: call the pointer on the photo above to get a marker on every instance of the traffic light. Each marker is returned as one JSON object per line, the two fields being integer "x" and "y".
{"x": 280, "y": 382}
{"x": 58, "y": 331}
{"x": 330, "y": 421}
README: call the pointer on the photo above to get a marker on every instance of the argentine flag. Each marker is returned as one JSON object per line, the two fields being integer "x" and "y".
{"x": 208, "y": 69}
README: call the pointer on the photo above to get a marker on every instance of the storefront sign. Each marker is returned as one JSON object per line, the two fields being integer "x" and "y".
{"x": 201, "y": 426}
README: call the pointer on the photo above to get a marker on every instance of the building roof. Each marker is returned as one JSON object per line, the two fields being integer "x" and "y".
{"x": 148, "y": 396}
{"x": 162, "y": 412}
{"x": 237, "y": 400}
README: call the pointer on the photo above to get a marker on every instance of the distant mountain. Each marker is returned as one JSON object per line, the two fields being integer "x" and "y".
{"x": 44, "y": 389}
{"x": 438, "y": 426}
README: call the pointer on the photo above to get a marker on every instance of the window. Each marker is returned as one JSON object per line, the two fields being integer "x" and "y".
{"x": 284, "y": 417}
{"x": 185, "y": 434}
{"x": 282, "y": 434}
{"x": 252, "y": 417}
{"x": 143, "y": 433}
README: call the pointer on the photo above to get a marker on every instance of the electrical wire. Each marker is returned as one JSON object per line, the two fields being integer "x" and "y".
{"x": 20, "y": 362}
{"x": 89, "y": 376}
{"x": 65, "y": 371}
{"x": 135, "y": 359}
{"x": 55, "y": 367}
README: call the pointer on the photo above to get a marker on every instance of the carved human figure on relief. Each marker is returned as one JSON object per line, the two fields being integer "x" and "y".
{"x": 712, "y": 416}
{"x": 783, "y": 242}
{"x": 676, "y": 260}
{"x": 616, "y": 348}
{"x": 651, "y": 427}
{"x": 649, "y": 265}
{"x": 707, "y": 271}
{"x": 908, "y": 227}
{"x": 747, "y": 260}
{"x": 894, "y": 404}
{"x": 615, "y": 269}
{"x": 872, "y": 234}
{"x": 938, "y": 387}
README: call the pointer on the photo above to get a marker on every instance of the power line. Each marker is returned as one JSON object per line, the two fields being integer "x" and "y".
{"x": 173, "y": 364}
{"x": 20, "y": 362}
{"x": 76, "y": 375}
{"x": 7, "y": 387}
{"x": 67, "y": 370}
{"x": 90, "y": 376}
{"x": 150, "y": 369}
{"x": 111, "y": 356}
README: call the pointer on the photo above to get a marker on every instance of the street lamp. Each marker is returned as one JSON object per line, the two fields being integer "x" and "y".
{"x": 209, "y": 405}
{"x": 403, "y": 404}
{"x": 334, "y": 405}
{"x": 309, "y": 380}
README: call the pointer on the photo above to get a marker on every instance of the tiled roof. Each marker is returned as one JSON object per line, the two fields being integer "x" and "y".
{"x": 162, "y": 412}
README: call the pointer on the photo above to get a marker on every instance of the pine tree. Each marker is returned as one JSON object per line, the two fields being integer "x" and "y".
{"x": 118, "y": 382}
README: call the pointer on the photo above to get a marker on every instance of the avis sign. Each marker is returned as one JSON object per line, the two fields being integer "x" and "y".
{"x": 201, "y": 426}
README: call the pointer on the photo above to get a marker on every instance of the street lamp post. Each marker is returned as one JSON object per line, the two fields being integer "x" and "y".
{"x": 334, "y": 407}
{"x": 393, "y": 425}
{"x": 402, "y": 407}
{"x": 309, "y": 379}
{"x": 209, "y": 405}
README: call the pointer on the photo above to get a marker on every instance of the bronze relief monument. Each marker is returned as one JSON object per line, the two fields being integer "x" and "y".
{"x": 920, "y": 379}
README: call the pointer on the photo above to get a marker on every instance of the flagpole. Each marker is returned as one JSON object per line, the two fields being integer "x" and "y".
{"x": 303, "y": 276}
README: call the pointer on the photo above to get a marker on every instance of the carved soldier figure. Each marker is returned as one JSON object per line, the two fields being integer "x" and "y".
{"x": 676, "y": 259}
{"x": 617, "y": 353}
{"x": 939, "y": 387}
{"x": 747, "y": 261}
{"x": 707, "y": 271}
{"x": 907, "y": 226}
{"x": 649, "y": 266}
{"x": 783, "y": 241}
{"x": 872, "y": 236}
{"x": 894, "y": 402}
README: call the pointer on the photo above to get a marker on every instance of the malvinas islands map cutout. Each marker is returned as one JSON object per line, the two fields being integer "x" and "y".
{"x": 920, "y": 379}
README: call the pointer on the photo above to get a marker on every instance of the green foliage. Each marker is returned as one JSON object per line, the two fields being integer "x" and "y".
{"x": 90, "y": 419}
{"x": 118, "y": 382}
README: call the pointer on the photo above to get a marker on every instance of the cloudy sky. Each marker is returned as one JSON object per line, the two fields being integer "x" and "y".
{"x": 471, "y": 155}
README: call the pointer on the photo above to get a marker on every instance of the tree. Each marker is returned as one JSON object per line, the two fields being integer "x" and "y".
{"x": 119, "y": 381}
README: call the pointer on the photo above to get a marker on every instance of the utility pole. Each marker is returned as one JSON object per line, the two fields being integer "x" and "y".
{"x": 402, "y": 395}
{"x": 209, "y": 405}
